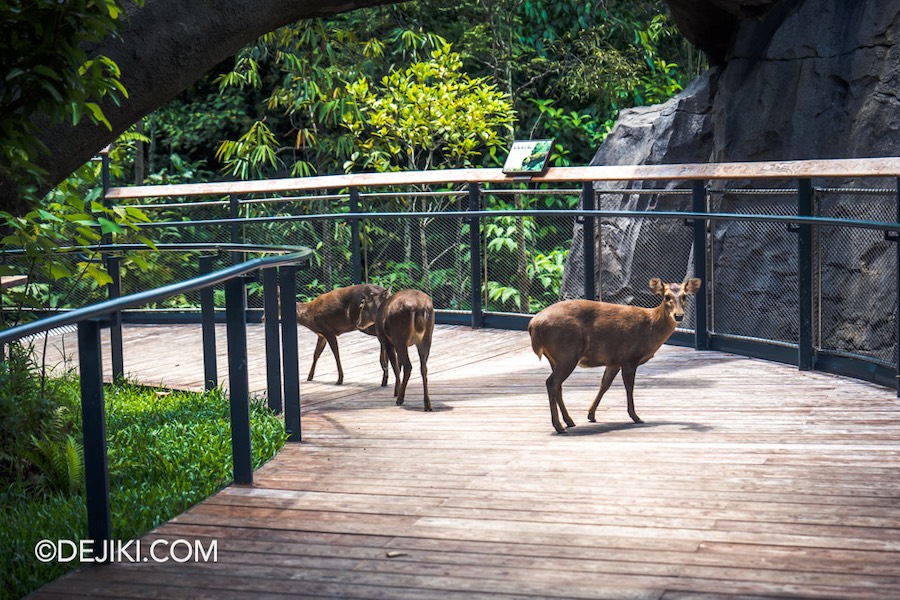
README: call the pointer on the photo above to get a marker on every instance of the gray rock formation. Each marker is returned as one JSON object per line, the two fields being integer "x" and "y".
{"x": 797, "y": 79}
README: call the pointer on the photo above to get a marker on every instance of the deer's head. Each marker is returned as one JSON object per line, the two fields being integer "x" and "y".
{"x": 674, "y": 295}
{"x": 368, "y": 309}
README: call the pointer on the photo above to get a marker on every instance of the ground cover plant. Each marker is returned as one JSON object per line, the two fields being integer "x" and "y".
{"x": 168, "y": 450}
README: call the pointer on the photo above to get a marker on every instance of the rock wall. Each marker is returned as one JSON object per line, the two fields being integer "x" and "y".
{"x": 797, "y": 79}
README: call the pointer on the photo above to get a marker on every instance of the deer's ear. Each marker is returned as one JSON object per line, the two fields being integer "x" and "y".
{"x": 657, "y": 287}
{"x": 692, "y": 286}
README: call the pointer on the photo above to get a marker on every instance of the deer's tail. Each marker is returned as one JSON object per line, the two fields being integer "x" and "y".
{"x": 536, "y": 345}
{"x": 420, "y": 319}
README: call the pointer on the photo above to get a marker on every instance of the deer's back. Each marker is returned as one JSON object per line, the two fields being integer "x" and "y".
{"x": 337, "y": 311}
{"x": 594, "y": 334}
{"x": 407, "y": 316}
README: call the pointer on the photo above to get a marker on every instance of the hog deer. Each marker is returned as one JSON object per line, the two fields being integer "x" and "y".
{"x": 401, "y": 320}
{"x": 334, "y": 313}
{"x": 586, "y": 333}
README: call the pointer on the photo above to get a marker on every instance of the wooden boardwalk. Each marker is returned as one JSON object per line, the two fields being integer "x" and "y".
{"x": 749, "y": 480}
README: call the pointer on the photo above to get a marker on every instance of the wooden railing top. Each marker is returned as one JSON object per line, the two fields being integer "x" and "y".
{"x": 833, "y": 168}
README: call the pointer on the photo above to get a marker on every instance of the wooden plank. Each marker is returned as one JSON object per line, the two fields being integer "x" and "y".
{"x": 842, "y": 168}
{"x": 748, "y": 480}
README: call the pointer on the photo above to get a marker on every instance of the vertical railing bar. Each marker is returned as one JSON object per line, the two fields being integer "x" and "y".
{"x": 93, "y": 418}
{"x": 113, "y": 265}
{"x": 287, "y": 277}
{"x": 234, "y": 212}
{"x": 589, "y": 246}
{"x": 475, "y": 255}
{"x": 805, "y": 357}
{"x": 356, "y": 254}
{"x": 208, "y": 325}
{"x": 897, "y": 313}
{"x": 273, "y": 340}
{"x": 238, "y": 380}
{"x": 701, "y": 258}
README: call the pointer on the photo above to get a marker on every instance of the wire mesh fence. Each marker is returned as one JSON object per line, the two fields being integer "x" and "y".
{"x": 753, "y": 267}
{"x": 407, "y": 241}
{"x": 856, "y": 276}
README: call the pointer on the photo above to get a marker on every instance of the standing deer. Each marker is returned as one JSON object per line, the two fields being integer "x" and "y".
{"x": 401, "y": 320}
{"x": 334, "y": 313}
{"x": 586, "y": 333}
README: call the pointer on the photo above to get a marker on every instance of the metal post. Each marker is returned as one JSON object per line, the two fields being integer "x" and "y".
{"x": 587, "y": 232}
{"x": 475, "y": 254}
{"x": 93, "y": 419}
{"x": 897, "y": 307}
{"x": 273, "y": 340}
{"x": 355, "y": 248}
{"x": 287, "y": 277}
{"x": 234, "y": 213}
{"x": 701, "y": 328}
{"x": 113, "y": 265}
{"x": 106, "y": 238}
{"x": 238, "y": 382}
{"x": 804, "y": 276}
{"x": 208, "y": 320}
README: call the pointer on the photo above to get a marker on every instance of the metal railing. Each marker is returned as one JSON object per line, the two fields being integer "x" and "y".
{"x": 766, "y": 238}
{"x": 278, "y": 269}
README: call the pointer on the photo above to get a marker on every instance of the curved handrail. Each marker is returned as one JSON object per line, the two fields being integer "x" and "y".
{"x": 106, "y": 307}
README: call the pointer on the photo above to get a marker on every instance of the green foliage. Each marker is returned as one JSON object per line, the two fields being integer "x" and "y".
{"x": 59, "y": 461}
{"x": 70, "y": 214}
{"x": 29, "y": 404}
{"x": 167, "y": 451}
{"x": 48, "y": 74}
{"x": 430, "y": 115}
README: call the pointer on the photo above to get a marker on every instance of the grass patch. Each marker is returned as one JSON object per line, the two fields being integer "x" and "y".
{"x": 167, "y": 451}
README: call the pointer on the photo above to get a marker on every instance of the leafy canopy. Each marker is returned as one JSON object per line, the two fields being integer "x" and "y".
{"x": 48, "y": 74}
{"x": 429, "y": 115}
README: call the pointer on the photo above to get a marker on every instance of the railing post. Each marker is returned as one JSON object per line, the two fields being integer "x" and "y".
{"x": 113, "y": 266}
{"x": 587, "y": 232}
{"x": 93, "y": 420}
{"x": 273, "y": 340}
{"x": 234, "y": 213}
{"x": 897, "y": 307}
{"x": 804, "y": 276}
{"x": 701, "y": 258}
{"x": 208, "y": 320}
{"x": 287, "y": 277}
{"x": 355, "y": 249}
{"x": 475, "y": 255}
{"x": 238, "y": 382}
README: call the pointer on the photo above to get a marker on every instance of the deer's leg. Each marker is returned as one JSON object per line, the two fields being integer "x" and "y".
{"x": 391, "y": 353}
{"x": 608, "y": 375}
{"x": 554, "y": 390}
{"x": 332, "y": 343}
{"x": 628, "y": 374}
{"x": 403, "y": 359}
{"x": 320, "y": 345}
{"x": 383, "y": 359}
{"x": 424, "y": 348}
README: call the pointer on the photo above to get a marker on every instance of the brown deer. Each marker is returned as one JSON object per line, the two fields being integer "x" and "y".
{"x": 401, "y": 320}
{"x": 586, "y": 333}
{"x": 334, "y": 313}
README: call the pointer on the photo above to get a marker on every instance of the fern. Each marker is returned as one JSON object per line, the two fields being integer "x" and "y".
{"x": 59, "y": 463}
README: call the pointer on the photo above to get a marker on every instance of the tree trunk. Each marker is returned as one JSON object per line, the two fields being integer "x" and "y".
{"x": 163, "y": 48}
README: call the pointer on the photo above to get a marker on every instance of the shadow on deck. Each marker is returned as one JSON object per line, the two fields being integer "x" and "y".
{"x": 749, "y": 479}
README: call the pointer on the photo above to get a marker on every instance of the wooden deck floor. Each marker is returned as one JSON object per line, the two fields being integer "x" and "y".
{"x": 748, "y": 480}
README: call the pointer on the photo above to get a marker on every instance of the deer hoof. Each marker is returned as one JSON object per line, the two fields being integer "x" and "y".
{"x": 428, "y": 409}
{"x": 399, "y": 401}
{"x": 636, "y": 419}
